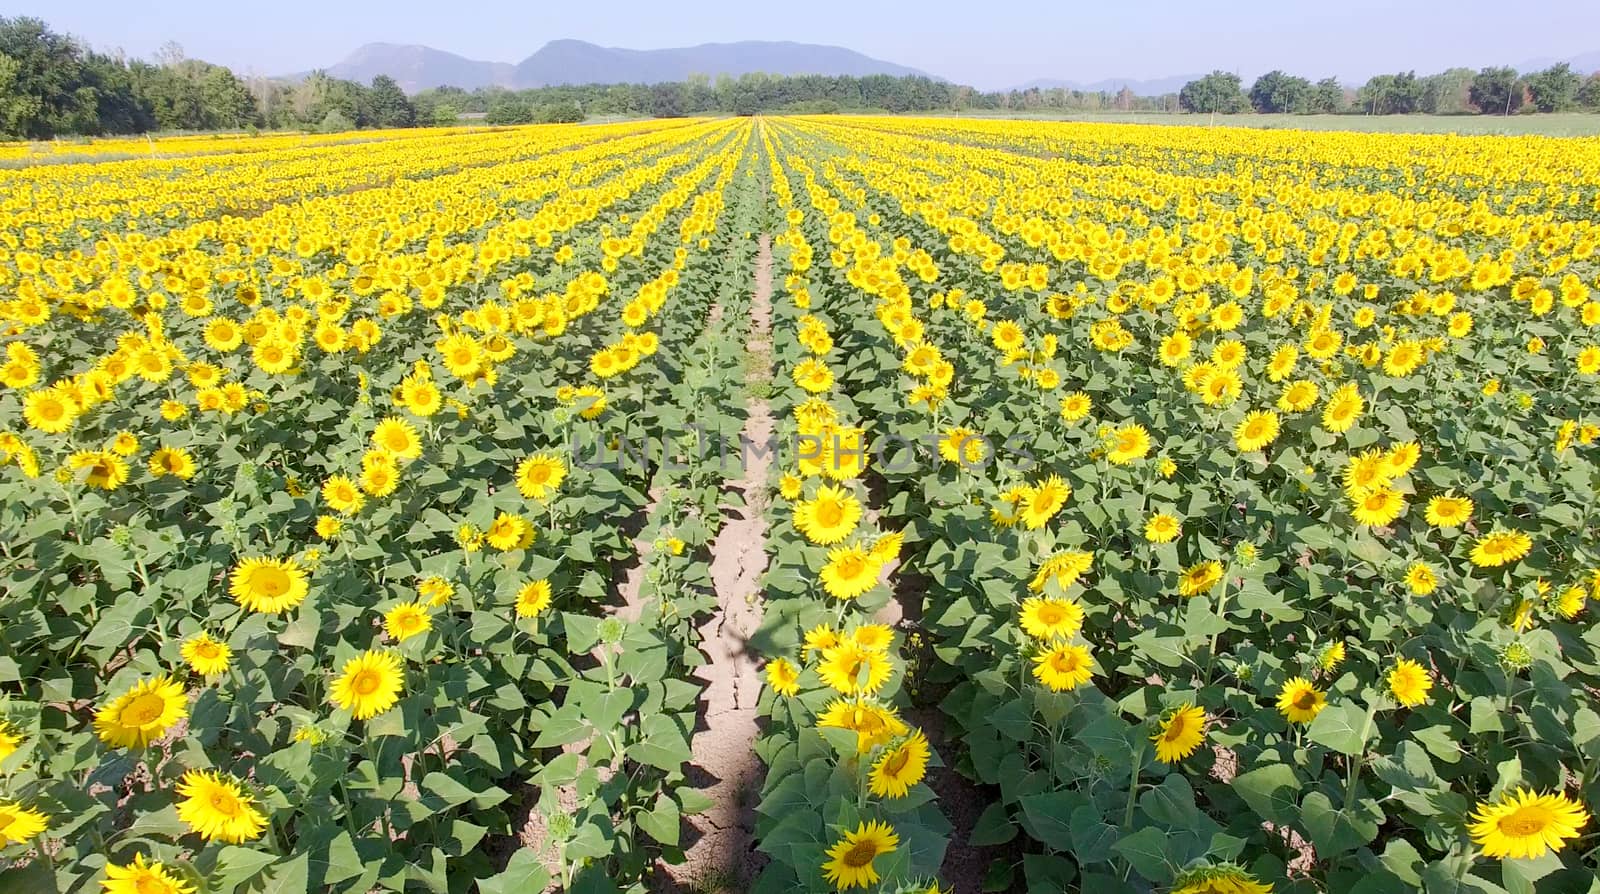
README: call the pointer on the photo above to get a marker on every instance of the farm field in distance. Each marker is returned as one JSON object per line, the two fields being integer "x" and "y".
{"x": 791, "y": 503}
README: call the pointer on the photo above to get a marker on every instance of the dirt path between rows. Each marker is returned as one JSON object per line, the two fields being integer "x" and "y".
{"x": 721, "y": 855}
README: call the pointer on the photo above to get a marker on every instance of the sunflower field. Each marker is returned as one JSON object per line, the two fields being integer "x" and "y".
{"x": 1151, "y": 509}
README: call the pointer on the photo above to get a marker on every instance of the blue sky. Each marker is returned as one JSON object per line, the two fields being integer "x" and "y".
{"x": 989, "y": 45}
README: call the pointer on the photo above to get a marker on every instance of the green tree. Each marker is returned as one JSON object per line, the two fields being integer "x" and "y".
{"x": 1445, "y": 93}
{"x": 1496, "y": 91}
{"x": 1326, "y": 97}
{"x": 565, "y": 111}
{"x": 509, "y": 108}
{"x": 1276, "y": 93}
{"x": 1396, "y": 94}
{"x": 1555, "y": 89}
{"x": 387, "y": 105}
{"x": 1219, "y": 91}
{"x": 1589, "y": 93}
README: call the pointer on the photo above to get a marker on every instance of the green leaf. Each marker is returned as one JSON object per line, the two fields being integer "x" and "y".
{"x": 1273, "y": 792}
{"x": 1146, "y": 851}
{"x": 1342, "y": 727}
{"x": 523, "y": 873}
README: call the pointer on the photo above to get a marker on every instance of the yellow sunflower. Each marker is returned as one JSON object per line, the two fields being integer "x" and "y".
{"x": 268, "y": 585}
{"x": 369, "y": 684}
{"x": 1047, "y": 619}
{"x": 899, "y": 768}
{"x": 1064, "y": 667}
{"x": 1409, "y": 682}
{"x": 1162, "y": 528}
{"x": 533, "y": 598}
{"x": 1256, "y": 431}
{"x": 218, "y": 807}
{"x": 140, "y": 877}
{"x": 1199, "y": 578}
{"x": 873, "y": 724}
{"x": 783, "y": 676}
{"x": 19, "y": 824}
{"x": 1299, "y": 701}
{"x": 142, "y": 714}
{"x": 540, "y": 475}
{"x": 1500, "y": 548}
{"x": 206, "y": 656}
{"x": 850, "y": 859}
{"x": 406, "y": 620}
{"x": 829, "y": 517}
{"x": 852, "y": 670}
{"x": 343, "y": 495}
{"x": 850, "y": 572}
{"x": 398, "y": 438}
{"x": 1181, "y": 733}
{"x": 1525, "y": 824}
{"x": 1042, "y": 501}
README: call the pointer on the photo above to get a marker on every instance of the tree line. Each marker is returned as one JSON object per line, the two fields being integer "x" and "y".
{"x": 51, "y": 84}
{"x": 1488, "y": 91}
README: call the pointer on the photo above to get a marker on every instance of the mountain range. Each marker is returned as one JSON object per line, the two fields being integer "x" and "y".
{"x": 418, "y": 68}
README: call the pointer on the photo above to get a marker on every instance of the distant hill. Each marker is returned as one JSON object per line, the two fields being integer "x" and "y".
{"x": 1154, "y": 87}
{"x": 417, "y": 68}
{"x": 1583, "y": 63}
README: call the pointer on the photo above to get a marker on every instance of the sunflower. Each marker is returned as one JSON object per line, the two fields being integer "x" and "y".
{"x": 1525, "y": 824}
{"x": 206, "y": 656}
{"x": 1449, "y": 511}
{"x": 1299, "y": 701}
{"x": 1257, "y": 430}
{"x": 124, "y": 443}
{"x": 19, "y": 824}
{"x": 873, "y": 637}
{"x": 829, "y": 517}
{"x": 789, "y": 485}
{"x": 140, "y": 877}
{"x": 1344, "y": 407}
{"x": 379, "y": 474}
{"x": 142, "y": 714}
{"x": 1331, "y": 657}
{"x": 9, "y": 739}
{"x": 1064, "y": 568}
{"x": 819, "y": 639}
{"x": 1420, "y": 579}
{"x": 436, "y": 590}
{"x": 533, "y": 598}
{"x": 507, "y": 531}
{"x": 850, "y": 572}
{"x": 1181, "y": 733}
{"x": 104, "y": 469}
{"x": 1222, "y": 878}
{"x": 1075, "y": 406}
{"x": 343, "y": 495}
{"x": 873, "y": 724}
{"x": 268, "y": 585}
{"x": 1379, "y": 507}
{"x": 783, "y": 676}
{"x": 1409, "y": 682}
{"x": 369, "y": 684}
{"x": 899, "y": 768}
{"x": 1128, "y": 443}
{"x": 1500, "y": 548}
{"x": 850, "y": 859}
{"x": 1043, "y": 501}
{"x": 174, "y": 461}
{"x": 1064, "y": 667}
{"x": 1162, "y": 528}
{"x": 406, "y": 620}
{"x": 398, "y": 438}
{"x": 218, "y": 807}
{"x": 540, "y": 475}
{"x": 50, "y": 410}
{"x": 1199, "y": 578}
{"x": 852, "y": 670}
{"x": 1047, "y": 619}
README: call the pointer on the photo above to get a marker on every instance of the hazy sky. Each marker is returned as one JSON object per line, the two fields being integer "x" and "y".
{"x": 989, "y": 45}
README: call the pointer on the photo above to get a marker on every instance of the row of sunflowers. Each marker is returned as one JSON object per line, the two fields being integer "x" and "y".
{"x": 1248, "y": 482}
{"x": 313, "y": 523}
